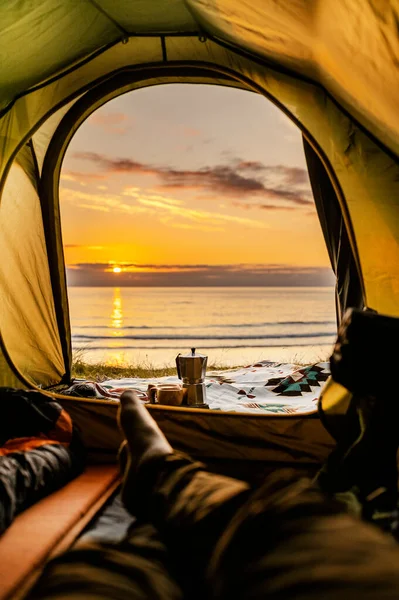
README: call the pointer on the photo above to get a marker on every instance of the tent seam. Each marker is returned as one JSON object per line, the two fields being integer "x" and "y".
{"x": 84, "y": 61}
{"x": 164, "y": 51}
{"x": 122, "y": 30}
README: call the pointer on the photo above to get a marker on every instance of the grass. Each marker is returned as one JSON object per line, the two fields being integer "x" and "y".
{"x": 102, "y": 371}
{"x": 81, "y": 369}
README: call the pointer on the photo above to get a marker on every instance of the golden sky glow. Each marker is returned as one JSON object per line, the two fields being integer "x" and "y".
{"x": 166, "y": 178}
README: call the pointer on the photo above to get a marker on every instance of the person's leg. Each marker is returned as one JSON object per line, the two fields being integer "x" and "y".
{"x": 289, "y": 542}
{"x": 155, "y": 475}
{"x": 189, "y": 506}
{"x": 135, "y": 569}
{"x": 286, "y": 540}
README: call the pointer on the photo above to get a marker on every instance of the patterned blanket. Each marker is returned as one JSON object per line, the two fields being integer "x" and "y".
{"x": 265, "y": 387}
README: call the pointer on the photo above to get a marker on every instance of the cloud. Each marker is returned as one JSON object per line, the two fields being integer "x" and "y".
{"x": 176, "y": 209}
{"x": 229, "y": 268}
{"x": 250, "y": 165}
{"x": 169, "y": 211}
{"x": 238, "y": 178}
{"x": 134, "y": 274}
{"x": 81, "y": 177}
{"x": 118, "y": 123}
{"x": 191, "y": 132}
{"x": 115, "y": 165}
{"x": 99, "y": 202}
{"x": 248, "y": 206}
{"x": 68, "y": 176}
{"x": 273, "y": 207}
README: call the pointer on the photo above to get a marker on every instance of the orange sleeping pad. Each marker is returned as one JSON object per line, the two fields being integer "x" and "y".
{"x": 50, "y": 527}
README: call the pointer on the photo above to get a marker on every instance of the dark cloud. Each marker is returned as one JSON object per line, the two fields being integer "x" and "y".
{"x": 250, "y": 165}
{"x": 104, "y": 266}
{"x": 238, "y": 178}
{"x": 220, "y": 178}
{"x": 99, "y": 274}
{"x": 250, "y": 205}
{"x": 297, "y": 176}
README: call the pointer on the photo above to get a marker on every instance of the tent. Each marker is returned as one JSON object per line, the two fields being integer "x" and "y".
{"x": 330, "y": 65}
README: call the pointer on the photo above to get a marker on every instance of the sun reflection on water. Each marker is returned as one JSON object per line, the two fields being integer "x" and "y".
{"x": 117, "y": 313}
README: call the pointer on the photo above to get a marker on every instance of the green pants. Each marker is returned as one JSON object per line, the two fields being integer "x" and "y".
{"x": 201, "y": 535}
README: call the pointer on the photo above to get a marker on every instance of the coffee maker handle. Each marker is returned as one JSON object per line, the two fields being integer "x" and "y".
{"x": 178, "y": 366}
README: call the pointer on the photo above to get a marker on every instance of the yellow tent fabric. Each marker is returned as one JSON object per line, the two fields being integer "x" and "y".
{"x": 350, "y": 47}
{"x": 330, "y": 65}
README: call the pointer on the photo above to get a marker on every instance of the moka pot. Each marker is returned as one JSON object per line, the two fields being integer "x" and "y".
{"x": 191, "y": 369}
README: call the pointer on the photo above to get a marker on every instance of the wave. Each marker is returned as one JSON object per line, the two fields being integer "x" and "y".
{"x": 202, "y": 337}
{"x": 221, "y": 325}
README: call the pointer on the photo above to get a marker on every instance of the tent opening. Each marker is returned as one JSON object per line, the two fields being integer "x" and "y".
{"x": 188, "y": 220}
{"x": 41, "y": 159}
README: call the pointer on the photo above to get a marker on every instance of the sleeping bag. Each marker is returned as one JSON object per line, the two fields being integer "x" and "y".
{"x": 40, "y": 450}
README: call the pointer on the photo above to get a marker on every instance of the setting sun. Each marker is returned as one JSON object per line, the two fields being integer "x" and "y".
{"x": 117, "y": 270}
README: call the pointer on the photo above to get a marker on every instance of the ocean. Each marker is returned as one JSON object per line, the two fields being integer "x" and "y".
{"x": 233, "y": 326}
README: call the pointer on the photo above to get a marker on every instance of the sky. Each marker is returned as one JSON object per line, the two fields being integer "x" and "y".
{"x": 190, "y": 185}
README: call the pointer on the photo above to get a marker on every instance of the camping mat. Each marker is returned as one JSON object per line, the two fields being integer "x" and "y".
{"x": 111, "y": 525}
{"x": 265, "y": 387}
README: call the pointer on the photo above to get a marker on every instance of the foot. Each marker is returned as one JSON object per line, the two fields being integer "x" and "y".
{"x": 144, "y": 442}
